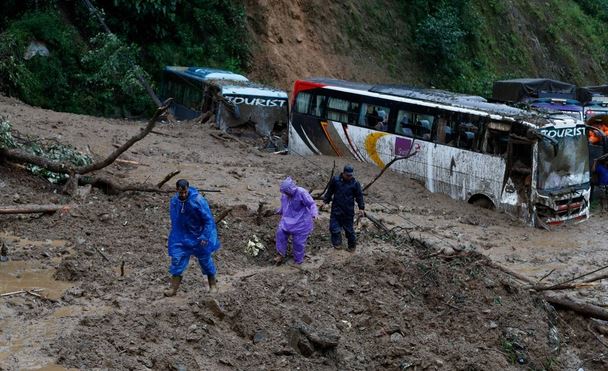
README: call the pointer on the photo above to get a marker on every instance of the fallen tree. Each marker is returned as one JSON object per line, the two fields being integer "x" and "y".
{"x": 17, "y": 155}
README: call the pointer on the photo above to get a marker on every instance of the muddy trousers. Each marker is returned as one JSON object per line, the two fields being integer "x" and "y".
{"x": 298, "y": 244}
{"x": 181, "y": 257}
{"x": 339, "y": 222}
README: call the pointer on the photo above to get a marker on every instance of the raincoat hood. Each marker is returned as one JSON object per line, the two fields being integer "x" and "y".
{"x": 288, "y": 186}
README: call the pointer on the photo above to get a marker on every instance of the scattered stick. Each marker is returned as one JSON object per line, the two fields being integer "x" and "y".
{"x": 130, "y": 162}
{"x": 509, "y": 272}
{"x": 218, "y": 137}
{"x": 40, "y": 296}
{"x": 376, "y": 222}
{"x": 546, "y": 275}
{"x": 597, "y": 337}
{"x": 331, "y": 176}
{"x": 223, "y": 214}
{"x": 167, "y": 178}
{"x": 163, "y": 134}
{"x": 563, "y": 285}
{"x": 32, "y": 209}
{"x": 122, "y": 268}
{"x": 20, "y": 292}
{"x": 102, "y": 254}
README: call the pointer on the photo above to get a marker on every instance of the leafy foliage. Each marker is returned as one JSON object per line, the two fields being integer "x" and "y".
{"x": 598, "y": 8}
{"x": 110, "y": 78}
{"x": 90, "y": 72}
{"x": 439, "y": 39}
{"x": 59, "y": 153}
{"x": 55, "y": 152}
{"x": 6, "y": 136}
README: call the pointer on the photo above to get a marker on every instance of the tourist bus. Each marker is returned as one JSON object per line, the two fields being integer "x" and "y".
{"x": 232, "y": 98}
{"x": 528, "y": 165}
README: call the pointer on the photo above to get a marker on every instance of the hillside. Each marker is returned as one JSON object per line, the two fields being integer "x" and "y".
{"x": 462, "y": 46}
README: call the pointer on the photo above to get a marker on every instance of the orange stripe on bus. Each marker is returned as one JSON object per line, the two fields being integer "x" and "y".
{"x": 331, "y": 142}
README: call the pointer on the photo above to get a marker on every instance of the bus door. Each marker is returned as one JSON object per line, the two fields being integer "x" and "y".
{"x": 517, "y": 184}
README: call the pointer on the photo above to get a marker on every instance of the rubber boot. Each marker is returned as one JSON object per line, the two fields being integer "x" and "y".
{"x": 172, "y": 290}
{"x": 212, "y": 284}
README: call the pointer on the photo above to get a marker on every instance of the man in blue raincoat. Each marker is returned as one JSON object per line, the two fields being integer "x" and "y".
{"x": 344, "y": 189}
{"x": 193, "y": 232}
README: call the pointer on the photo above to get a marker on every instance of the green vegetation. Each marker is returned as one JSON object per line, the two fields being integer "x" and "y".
{"x": 459, "y": 45}
{"x": 89, "y": 71}
{"x": 468, "y": 44}
{"x": 54, "y": 151}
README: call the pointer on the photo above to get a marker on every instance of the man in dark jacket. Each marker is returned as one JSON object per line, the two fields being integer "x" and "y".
{"x": 193, "y": 232}
{"x": 345, "y": 190}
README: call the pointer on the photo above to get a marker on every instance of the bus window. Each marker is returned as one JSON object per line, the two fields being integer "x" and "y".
{"x": 374, "y": 117}
{"x": 318, "y": 106}
{"x": 497, "y": 138}
{"x": 342, "y": 110}
{"x": 467, "y": 135}
{"x": 423, "y": 126}
{"x": 303, "y": 103}
{"x": 404, "y": 123}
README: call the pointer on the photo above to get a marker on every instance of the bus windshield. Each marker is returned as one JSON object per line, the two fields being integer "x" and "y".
{"x": 563, "y": 160}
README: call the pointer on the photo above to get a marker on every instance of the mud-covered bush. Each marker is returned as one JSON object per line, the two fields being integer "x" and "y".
{"x": 55, "y": 152}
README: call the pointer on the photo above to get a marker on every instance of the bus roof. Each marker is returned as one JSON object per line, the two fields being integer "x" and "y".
{"x": 205, "y": 73}
{"x": 228, "y": 82}
{"x": 436, "y": 96}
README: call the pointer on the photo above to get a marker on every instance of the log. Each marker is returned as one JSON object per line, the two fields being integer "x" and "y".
{"x": 585, "y": 309}
{"x": 32, "y": 209}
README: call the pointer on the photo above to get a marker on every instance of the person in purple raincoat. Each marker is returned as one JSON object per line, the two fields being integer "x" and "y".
{"x": 297, "y": 211}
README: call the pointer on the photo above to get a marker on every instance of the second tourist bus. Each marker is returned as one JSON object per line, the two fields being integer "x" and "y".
{"x": 531, "y": 166}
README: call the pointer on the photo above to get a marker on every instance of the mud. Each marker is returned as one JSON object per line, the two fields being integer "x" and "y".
{"x": 388, "y": 305}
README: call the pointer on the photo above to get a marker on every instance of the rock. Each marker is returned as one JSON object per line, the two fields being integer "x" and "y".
{"x": 493, "y": 324}
{"x": 215, "y": 307}
{"x": 307, "y": 319}
{"x": 259, "y": 336}
{"x": 446, "y": 250}
{"x": 396, "y": 337}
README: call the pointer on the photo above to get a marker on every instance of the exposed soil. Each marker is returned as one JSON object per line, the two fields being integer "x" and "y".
{"x": 392, "y": 304}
